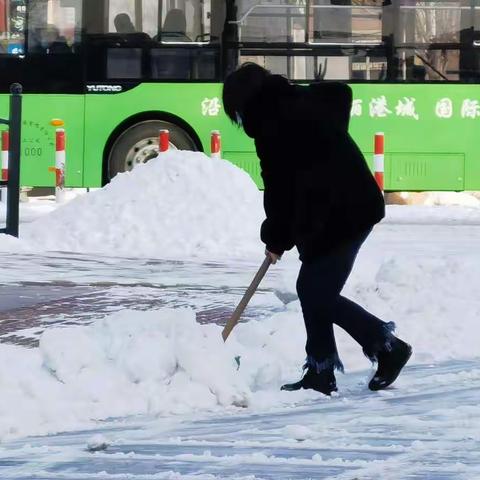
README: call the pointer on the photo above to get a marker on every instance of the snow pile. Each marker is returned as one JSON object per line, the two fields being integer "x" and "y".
{"x": 129, "y": 363}
{"x": 180, "y": 204}
{"x": 440, "y": 215}
{"x": 35, "y": 207}
{"x": 11, "y": 244}
{"x": 464, "y": 199}
{"x": 434, "y": 301}
{"x": 157, "y": 362}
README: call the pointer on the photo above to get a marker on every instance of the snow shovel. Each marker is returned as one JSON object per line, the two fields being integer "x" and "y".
{"x": 234, "y": 319}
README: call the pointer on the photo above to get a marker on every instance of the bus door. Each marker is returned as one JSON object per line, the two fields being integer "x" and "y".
{"x": 40, "y": 48}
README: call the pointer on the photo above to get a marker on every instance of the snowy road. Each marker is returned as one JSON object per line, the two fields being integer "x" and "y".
{"x": 425, "y": 428}
{"x": 75, "y": 288}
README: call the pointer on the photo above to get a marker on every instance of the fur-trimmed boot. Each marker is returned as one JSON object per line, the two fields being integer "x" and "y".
{"x": 390, "y": 364}
{"x": 323, "y": 382}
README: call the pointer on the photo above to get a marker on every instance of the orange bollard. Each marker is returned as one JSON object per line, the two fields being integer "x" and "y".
{"x": 379, "y": 160}
{"x": 216, "y": 144}
{"x": 164, "y": 141}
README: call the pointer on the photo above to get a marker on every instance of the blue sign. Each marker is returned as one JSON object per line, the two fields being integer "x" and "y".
{"x": 16, "y": 49}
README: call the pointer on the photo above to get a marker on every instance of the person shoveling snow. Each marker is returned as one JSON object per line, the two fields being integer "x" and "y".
{"x": 327, "y": 220}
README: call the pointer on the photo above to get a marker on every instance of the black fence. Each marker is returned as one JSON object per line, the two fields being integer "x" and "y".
{"x": 14, "y": 124}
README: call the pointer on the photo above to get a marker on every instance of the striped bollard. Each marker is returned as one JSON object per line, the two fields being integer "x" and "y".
{"x": 379, "y": 160}
{"x": 60, "y": 159}
{"x": 164, "y": 141}
{"x": 216, "y": 145}
{"x": 5, "y": 143}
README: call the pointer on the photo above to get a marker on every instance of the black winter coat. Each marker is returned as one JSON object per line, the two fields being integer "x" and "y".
{"x": 319, "y": 191}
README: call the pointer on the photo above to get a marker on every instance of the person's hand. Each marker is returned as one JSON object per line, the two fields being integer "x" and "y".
{"x": 273, "y": 257}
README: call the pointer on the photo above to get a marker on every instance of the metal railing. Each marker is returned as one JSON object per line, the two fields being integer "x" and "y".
{"x": 14, "y": 124}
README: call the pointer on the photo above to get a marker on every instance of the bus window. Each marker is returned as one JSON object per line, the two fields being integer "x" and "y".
{"x": 185, "y": 35}
{"x": 323, "y": 22}
{"x": 303, "y": 67}
{"x": 185, "y": 21}
{"x": 341, "y": 40}
{"x": 336, "y": 22}
{"x": 12, "y": 27}
{"x": 262, "y": 22}
{"x": 150, "y": 17}
{"x": 54, "y": 26}
{"x": 430, "y": 39}
{"x": 121, "y": 16}
{"x": 362, "y": 66}
{"x": 154, "y": 39}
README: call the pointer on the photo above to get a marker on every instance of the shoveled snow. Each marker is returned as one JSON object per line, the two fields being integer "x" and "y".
{"x": 163, "y": 362}
{"x": 182, "y": 204}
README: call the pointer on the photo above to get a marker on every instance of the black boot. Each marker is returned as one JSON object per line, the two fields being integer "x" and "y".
{"x": 323, "y": 382}
{"x": 390, "y": 364}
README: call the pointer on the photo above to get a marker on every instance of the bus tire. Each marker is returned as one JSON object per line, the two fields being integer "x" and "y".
{"x": 139, "y": 144}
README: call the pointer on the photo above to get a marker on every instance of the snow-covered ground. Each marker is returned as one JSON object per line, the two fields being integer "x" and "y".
{"x": 126, "y": 354}
{"x": 427, "y": 428}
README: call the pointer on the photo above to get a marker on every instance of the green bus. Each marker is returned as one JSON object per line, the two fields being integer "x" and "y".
{"x": 118, "y": 71}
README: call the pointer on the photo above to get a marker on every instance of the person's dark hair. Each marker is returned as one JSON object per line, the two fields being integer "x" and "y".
{"x": 241, "y": 85}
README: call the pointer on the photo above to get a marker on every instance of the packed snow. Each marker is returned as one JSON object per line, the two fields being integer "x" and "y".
{"x": 163, "y": 364}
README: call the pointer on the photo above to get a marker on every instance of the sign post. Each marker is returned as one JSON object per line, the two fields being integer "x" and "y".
{"x": 13, "y": 183}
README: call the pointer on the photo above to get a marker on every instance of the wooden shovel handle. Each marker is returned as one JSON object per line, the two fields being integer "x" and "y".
{"x": 234, "y": 319}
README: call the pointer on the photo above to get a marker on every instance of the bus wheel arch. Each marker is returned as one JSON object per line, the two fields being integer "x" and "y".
{"x": 137, "y": 137}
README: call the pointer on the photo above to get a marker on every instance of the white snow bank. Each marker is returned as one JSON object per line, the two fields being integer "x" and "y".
{"x": 466, "y": 199}
{"x": 452, "y": 198}
{"x": 33, "y": 209}
{"x": 12, "y": 244}
{"x": 434, "y": 301}
{"x": 441, "y": 215}
{"x": 182, "y": 204}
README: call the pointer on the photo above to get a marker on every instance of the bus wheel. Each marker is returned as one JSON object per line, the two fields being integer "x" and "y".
{"x": 139, "y": 144}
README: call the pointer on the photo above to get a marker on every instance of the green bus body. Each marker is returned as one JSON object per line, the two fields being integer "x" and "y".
{"x": 433, "y": 146}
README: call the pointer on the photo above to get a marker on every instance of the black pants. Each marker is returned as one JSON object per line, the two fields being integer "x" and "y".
{"x": 318, "y": 286}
